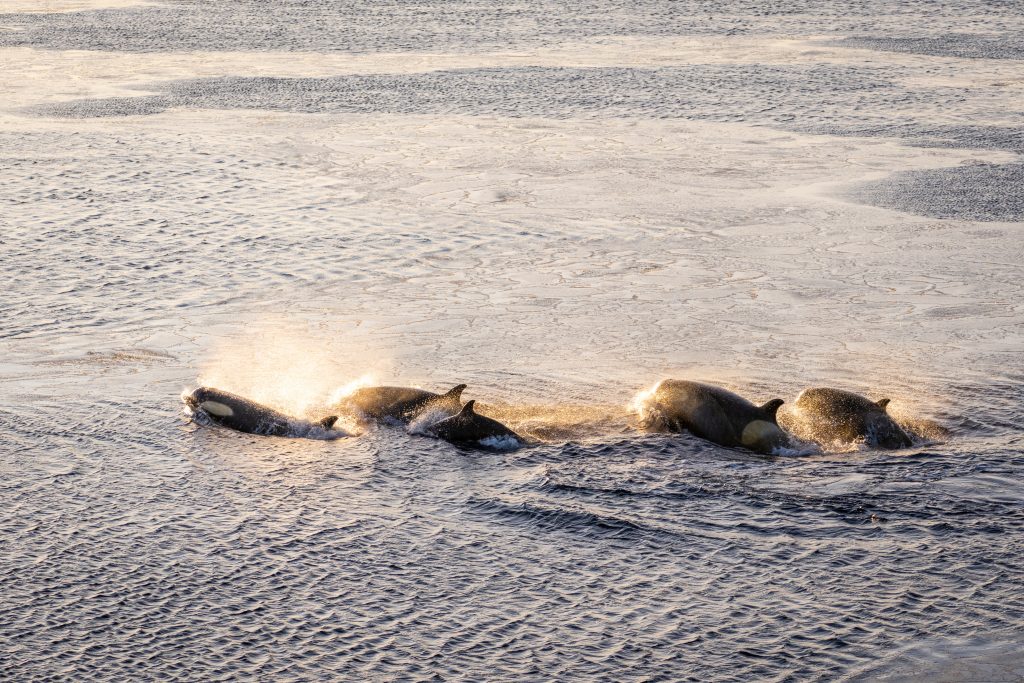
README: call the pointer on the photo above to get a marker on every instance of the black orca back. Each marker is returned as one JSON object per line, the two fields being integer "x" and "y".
{"x": 470, "y": 428}
{"x": 403, "y": 403}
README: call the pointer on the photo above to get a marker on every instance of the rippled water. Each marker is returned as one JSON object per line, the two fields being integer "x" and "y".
{"x": 558, "y": 207}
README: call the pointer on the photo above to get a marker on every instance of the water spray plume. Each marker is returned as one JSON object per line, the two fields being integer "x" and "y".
{"x": 347, "y": 390}
{"x": 640, "y": 404}
{"x": 291, "y": 372}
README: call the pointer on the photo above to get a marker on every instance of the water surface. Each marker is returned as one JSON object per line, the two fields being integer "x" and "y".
{"x": 558, "y": 207}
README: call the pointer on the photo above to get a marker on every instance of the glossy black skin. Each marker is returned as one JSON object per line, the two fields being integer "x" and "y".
{"x": 251, "y": 417}
{"x": 837, "y": 415}
{"x": 403, "y": 404}
{"x": 716, "y": 414}
{"x": 469, "y": 428}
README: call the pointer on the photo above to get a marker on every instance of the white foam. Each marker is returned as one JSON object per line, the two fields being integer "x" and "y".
{"x": 319, "y": 433}
{"x": 501, "y": 443}
{"x": 797, "y": 448}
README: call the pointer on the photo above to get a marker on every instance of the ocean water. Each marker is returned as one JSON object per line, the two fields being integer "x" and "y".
{"x": 558, "y": 205}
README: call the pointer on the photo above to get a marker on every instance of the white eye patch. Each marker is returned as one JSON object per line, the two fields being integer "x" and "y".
{"x": 215, "y": 408}
{"x": 757, "y": 430}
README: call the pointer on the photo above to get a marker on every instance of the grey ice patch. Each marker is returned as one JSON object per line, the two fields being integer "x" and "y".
{"x": 917, "y": 134}
{"x": 469, "y": 25}
{"x": 976, "y": 192}
{"x": 966, "y": 45}
{"x": 769, "y": 94}
{"x": 981, "y": 192}
{"x": 330, "y": 26}
{"x": 108, "y": 107}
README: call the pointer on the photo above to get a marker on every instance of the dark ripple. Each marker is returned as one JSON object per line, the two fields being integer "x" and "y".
{"x": 771, "y": 509}
{"x": 585, "y": 523}
{"x": 395, "y": 555}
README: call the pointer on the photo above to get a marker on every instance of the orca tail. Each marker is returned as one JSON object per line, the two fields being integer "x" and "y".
{"x": 455, "y": 392}
{"x": 327, "y": 422}
{"x": 882, "y": 403}
{"x": 772, "y": 408}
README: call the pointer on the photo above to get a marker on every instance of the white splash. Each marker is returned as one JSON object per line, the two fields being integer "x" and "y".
{"x": 641, "y": 403}
{"x": 427, "y": 419}
{"x": 501, "y": 443}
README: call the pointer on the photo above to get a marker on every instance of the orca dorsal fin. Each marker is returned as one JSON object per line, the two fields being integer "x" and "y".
{"x": 467, "y": 410}
{"x": 455, "y": 392}
{"x": 327, "y": 422}
{"x": 882, "y": 403}
{"x": 772, "y": 408}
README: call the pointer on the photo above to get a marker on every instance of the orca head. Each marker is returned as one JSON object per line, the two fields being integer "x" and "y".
{"x": 207, "y": 401}
{"x": 193, "y": 399}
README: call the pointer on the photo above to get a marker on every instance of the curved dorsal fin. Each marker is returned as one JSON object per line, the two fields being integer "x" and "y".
{"x": 327, "y": 422}
{"x": 467, "y": 410}
{"x": 772, "y": 407}
{"x": 455, "y": 392}
{"x": 882, "y": 403}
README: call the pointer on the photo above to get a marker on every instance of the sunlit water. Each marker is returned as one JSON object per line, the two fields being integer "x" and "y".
{"x": 558, "y": 207}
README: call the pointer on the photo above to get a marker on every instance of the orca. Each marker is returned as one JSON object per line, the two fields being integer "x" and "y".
{"x": 831, "y": 415}
{"x": 715, "y": 414}
{"x": 241, "y": 414}
{"x": 469, "y": 428}
{"x": 403, "y": 404}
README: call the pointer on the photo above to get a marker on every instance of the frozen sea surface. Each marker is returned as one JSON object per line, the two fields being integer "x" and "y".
{"x": 557, "y": 206}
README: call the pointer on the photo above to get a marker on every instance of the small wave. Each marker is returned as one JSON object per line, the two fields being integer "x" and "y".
{"x": 562, "y": 519}
{"x": 112, "y": 358}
